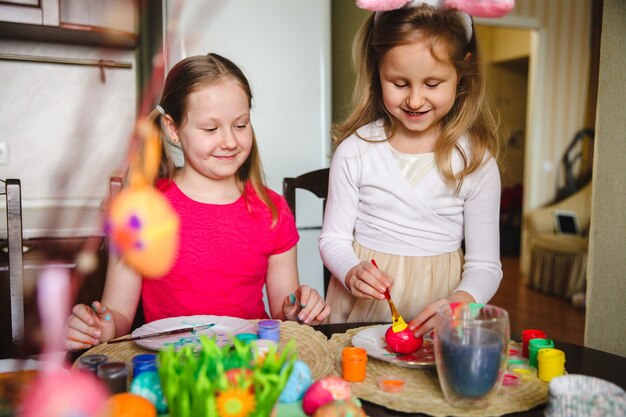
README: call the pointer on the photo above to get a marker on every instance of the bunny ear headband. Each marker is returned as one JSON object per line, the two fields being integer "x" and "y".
{"x": 476, "y": 8}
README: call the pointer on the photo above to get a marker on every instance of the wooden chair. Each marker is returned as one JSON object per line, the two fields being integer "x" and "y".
{"x": 12, "y": 290}
{"x": 315, "y": 182}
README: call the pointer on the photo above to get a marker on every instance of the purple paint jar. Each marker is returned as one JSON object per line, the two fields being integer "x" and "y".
{"x": 269, "y": 329}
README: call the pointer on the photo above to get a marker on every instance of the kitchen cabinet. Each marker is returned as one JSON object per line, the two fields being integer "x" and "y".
{"x": 96, "y": 22}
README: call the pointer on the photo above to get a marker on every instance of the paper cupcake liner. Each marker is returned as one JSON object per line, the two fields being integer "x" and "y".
{"x": 581, "y": 395}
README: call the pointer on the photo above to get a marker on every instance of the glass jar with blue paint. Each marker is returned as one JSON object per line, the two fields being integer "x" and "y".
{"x": 269, "y": 329}
{"x": 471, "y": 346}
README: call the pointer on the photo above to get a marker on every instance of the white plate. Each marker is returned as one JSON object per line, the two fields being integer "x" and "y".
{"x": 224, "y": 329}
{"x": 372, "y": 340}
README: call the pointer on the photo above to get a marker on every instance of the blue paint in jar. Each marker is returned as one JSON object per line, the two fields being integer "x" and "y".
{"x": 471, "y": 360}
{"x": 144, "y": 363}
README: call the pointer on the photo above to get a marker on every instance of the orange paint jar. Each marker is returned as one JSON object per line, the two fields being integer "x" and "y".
{"x": 353, "y": 364}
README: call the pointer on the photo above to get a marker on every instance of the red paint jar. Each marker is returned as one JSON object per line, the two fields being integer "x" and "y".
{"x": 531, "y": 334}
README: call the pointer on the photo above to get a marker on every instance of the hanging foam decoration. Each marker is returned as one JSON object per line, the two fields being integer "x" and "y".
{"x": 142, "y": 225}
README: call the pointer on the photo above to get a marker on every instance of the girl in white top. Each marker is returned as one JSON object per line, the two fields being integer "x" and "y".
{"x": 414, "y": 174}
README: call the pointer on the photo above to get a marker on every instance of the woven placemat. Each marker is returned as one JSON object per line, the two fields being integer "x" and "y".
{"x": 423, "y": 393}
{"x": 311, "y": 345}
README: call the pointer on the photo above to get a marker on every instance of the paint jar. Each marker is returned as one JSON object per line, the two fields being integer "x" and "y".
{"x": 144, "y": 363}
{"x": 90, "y": 363}
{"x": 524, "y": 371}
{"x": 391, "y": 383}
{"x": 516, "y": 361}
{"x": 551, "y": 364}
{"x": 269, "y": 329}
{"x": 533, "y": 347}
{"x": 114, "y": 375}
{"x": 261, "y": 347}
{"x": 515, "y": 350}
{"x": 530, "y": 334}
{"x": 510, "y": 379}
{"x": 246, "y": 338}
{"x": 471, "y": 346}
{"x": 353, "y": 364}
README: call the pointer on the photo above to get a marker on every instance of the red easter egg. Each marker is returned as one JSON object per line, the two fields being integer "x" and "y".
{"x": 324, "y": 391}
{"x": 403, "y": 342}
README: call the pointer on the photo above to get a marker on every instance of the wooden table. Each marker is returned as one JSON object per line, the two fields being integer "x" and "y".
{"x": 580, "y": 360}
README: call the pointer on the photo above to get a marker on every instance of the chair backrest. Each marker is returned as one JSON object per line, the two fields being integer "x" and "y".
{"x": 315, "y": 182}
{"x": 13, "y": 293}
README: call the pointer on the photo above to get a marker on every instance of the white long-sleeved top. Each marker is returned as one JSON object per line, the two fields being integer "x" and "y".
{"x": 370, "y": 200}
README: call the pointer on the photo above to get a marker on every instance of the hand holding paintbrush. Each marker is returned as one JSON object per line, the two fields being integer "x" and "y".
{"x": 398, "y": 323}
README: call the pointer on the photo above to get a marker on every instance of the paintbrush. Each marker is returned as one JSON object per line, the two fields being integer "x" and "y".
{"x": 192, "y": 329}
{"x": 398, "y": 323}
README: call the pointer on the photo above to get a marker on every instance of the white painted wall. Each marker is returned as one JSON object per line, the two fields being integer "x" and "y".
{"x": 283, "y": 47}
{"x": 66, "y": 131}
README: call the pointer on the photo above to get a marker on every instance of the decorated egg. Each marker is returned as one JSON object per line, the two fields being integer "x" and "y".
{"x": 341, "y": 408}
{"x": 403, "y": 342}
{"x": 126, "y": 404}
{"x": 323, "y": 391}
{"x": 64, "y": 393}
{"x": 299, "y": 381}
{"x": 143, "y": 228}
{"x": 148, "y": 385}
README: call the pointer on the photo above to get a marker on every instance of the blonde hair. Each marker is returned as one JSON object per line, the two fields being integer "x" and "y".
{"x": 186, "y": 77}
{"x": 469, "y": 114}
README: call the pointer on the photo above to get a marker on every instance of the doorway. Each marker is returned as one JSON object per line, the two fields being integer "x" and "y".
{"x": 506, "y": 53}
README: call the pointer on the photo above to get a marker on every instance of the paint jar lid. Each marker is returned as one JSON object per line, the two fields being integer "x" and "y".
{"x": 110, "y": 370}
{"x": 354, "y": 354}
{"x": 511, "y": 379}
{"x": 391, "y": 383}
{"x": 540, "y": 343}
{"x": 91, "y": 362}
{"x": 551, "y": 355}
{"x": 261, "y": 347}
{"x": 517, "y": 361}
{"x": 525, "y": 371}
{"x": 268, "y": 325}
{"x": 246, "y": 338}
{"x": 515, "y": 350}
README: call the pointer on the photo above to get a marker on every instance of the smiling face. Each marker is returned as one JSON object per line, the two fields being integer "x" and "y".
{"x": 216, "y": 136}
{"x": 418, "y": 90}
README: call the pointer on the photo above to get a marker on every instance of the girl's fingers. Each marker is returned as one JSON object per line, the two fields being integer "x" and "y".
{"x": 312, "y": 309}
{"x": 76, "y": 340}
{"x": 290, "y": 307}
{"x": 101, "y": 310}
{"x": 85, "y": 314}
{"x": 84, "y": 321}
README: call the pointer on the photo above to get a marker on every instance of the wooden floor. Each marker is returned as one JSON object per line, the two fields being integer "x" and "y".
{"x": 530, "y": 309}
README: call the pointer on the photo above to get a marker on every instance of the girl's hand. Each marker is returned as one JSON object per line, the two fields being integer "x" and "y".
{"x": 425, "y": 320}
{"x": 305, "y": 305}
{"x": 88, "y": 326}
{"x": 367, "y": 281}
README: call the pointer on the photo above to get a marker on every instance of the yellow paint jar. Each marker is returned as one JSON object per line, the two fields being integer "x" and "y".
{"x": 551, "y": 363}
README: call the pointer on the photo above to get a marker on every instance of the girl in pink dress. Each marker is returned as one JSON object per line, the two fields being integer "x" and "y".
{"x": 236, "y": 235}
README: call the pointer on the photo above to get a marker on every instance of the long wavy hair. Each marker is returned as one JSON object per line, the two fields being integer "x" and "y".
{"x": 188, "y": 76}
{"x": 470, "y": 113}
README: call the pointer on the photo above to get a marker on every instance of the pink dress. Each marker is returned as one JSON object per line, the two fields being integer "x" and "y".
{"x": 222, "y": 261}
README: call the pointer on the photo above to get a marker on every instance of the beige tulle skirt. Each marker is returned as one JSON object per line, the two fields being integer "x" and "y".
{"x": 418, "y": 281}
